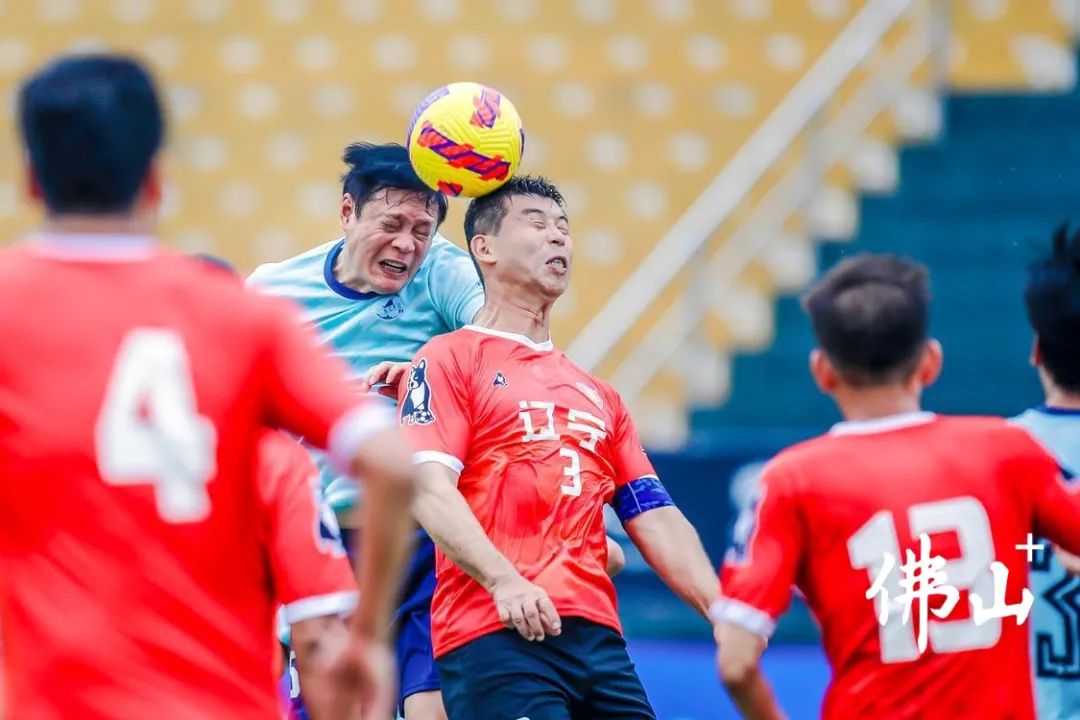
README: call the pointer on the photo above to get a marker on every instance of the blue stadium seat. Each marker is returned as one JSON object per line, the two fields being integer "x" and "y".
{"x": 976, "y": 207}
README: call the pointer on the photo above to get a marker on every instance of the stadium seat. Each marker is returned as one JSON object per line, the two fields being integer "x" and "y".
{"x": 632, "y": 107}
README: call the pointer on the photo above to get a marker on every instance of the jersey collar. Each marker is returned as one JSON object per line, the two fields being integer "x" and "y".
{"x": 94, "y": 246}
{"x": 545, "y": 346}
{"x": 336, "y": 285}
{"x": 883, "y": 424}
{"x": 1051, "y": 410}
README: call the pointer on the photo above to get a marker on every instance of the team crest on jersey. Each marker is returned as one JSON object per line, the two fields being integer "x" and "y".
{"x": 390, "y": 308}
{"x": 327, "y": 530}
{"x": 499, "y": 381}
{"x": 416, "y": 409}
{"x": 592, "y": 393}
{"x": 743, "y": 532}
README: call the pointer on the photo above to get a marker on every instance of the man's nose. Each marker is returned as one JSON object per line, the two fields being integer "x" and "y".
{"x": 404, "y": 243}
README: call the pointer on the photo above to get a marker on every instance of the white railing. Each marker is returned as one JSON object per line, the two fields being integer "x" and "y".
{"x": 687, "y": 239}
{"x": 787, "y": 197}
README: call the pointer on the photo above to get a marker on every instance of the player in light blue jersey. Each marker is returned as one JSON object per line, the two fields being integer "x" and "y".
{"x": 1053, "y": 305}
{"x": 378, "y": 294}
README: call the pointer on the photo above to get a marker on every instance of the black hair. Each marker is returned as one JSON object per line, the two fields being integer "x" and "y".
{"x": 373, "y": 168}
{"x": 871, "y": 315}
{"x": 1052, "y": 297}
{"x": 486, "y": 213}
{"x": 92, "y": 124}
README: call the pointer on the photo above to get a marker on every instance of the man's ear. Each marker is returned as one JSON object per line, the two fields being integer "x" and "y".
{"x": 347, "y": 210}
{"x": 824, "y": 373}
{"x": 929, "y": 369}
{"x": 153, "y": 189}
{"x": 482, "y": 250}
{"x": 34, "y": 191}
{"x": 1036, "y": 358}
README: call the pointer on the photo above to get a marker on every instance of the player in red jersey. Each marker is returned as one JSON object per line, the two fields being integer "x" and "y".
{"x": 307, "y": 565}
{"x": 134, "y": 386}
{"x": 829, "y": 510}
{"x": 519, "y": 451}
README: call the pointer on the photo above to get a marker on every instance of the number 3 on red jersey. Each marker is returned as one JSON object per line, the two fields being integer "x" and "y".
{"x": 594, "y": 429}
{"x": 149, "y": 430}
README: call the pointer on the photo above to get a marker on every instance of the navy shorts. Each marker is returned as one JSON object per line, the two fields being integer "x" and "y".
{"x": 583, "y": 674}
{"x": 417, "y": 671}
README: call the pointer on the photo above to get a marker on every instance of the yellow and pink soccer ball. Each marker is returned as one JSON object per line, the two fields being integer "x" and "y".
{"x": 465, "y": 139}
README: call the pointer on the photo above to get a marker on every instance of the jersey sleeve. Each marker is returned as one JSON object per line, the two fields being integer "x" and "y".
{"x": 760, "y": 568}
{"x": 434, "y": 406}
{"x": 637, "y": 487}
{"x": 1055, "y": 501}
{"x": 308, "y": 391}
{"x": 310, "y": 571}
{"x": 455, "y": 288}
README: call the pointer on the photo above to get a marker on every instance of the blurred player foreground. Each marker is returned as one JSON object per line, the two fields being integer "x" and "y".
{"x": 131, "y": 405}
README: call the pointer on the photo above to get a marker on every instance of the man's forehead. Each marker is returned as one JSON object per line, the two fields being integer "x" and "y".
{"x": 399, "y": 202}
{"x": 524, "y": 204}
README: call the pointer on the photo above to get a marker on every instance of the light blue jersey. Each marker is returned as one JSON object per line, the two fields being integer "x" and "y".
{"x": 368, "y": 328}
{"x": 1055, "y": 616}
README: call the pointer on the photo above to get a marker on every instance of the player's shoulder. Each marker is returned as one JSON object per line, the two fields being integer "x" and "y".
{"x": 988, "y": 434}
{"x": 305, "y": 267}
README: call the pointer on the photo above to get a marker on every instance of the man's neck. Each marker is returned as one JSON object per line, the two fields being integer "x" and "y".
{"x": 134, "y": 224}
{"x": 345, "y": 272}
{"x": 1057, "y": 398}
{"x": 507, "y": 315}
{"x": 875, "y": 403}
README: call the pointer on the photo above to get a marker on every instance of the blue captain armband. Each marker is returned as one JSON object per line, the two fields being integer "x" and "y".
{"x": 639, "y": 496}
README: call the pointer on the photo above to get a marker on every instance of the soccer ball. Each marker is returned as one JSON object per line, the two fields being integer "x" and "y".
{"x": 465, "y": 139}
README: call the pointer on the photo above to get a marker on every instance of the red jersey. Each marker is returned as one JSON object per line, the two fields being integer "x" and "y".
{"x": 827, "y": 512}
{"x": 540, "y": 446}
{"x": 309, "y": 571}
{"x": 134, "y": 386}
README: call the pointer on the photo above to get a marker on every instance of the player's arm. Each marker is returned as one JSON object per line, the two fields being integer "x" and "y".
{"x": 318, "y": 642}
{"x": 1070, "y": 562}
{"x": 447, "y": 518}
{"x": 666, "y": 539}
{"x": 669, "y": 543}
{"x": 758, "y": 574}
{"x": 738, "y": 663}
{"x": 441, "y": 433}
{"x": 616, "y": 558}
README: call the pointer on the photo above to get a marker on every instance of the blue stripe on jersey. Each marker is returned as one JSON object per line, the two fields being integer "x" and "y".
{"x": 640, "y": 496}
{"x": 336, "y": 285}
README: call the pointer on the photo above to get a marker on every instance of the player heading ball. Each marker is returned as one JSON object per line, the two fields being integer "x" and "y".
{"x": 519, "y": 451}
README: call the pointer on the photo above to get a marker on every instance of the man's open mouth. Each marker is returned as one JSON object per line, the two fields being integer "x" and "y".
{"x": 394, "y": 267}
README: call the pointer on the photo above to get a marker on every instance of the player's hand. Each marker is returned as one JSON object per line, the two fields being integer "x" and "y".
{"x": 1070, "y": 562}
{"x": 388, "y": 372}
{"x": 526, "y": 607}
{"x": 361, "y": 682}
